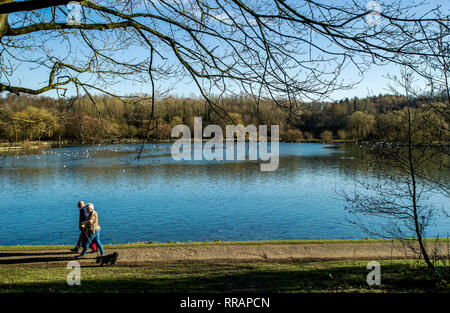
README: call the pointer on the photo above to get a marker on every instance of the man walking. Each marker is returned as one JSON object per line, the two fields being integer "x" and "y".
{"x": 84, "y": 216}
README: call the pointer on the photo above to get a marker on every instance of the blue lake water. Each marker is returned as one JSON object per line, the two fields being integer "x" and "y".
{"x": 158, "y": 199}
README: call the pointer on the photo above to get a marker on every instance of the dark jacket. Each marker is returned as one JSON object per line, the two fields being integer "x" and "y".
{"x": 84, "y": 216}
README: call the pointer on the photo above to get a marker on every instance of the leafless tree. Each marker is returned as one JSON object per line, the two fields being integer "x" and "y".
{"x": 404, "y": 177}
{"x": 286, "y": 51}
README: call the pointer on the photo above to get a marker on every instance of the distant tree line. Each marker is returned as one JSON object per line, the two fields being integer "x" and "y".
{"x": 106, "y": 118}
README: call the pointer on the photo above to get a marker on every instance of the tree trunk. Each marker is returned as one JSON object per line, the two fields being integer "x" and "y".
{"x": 4, "y": 25}
{"x": 414, "y": 201}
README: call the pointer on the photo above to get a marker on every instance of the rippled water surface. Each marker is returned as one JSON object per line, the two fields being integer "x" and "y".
{"x": 158, "y": 199}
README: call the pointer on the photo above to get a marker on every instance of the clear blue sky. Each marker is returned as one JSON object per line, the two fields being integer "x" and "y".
{"x": 373, "y": 81}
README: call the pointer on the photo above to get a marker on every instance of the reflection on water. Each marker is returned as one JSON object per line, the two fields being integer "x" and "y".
{"x": 158, "y": 199}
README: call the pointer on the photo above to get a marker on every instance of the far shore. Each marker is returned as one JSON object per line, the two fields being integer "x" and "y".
{"x": 25, "y": 146}
{"x": 34, "y": 145}
{"x": 43, "y": 143}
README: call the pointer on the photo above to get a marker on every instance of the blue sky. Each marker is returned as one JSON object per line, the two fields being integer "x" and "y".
{"x": 373, "y": 82}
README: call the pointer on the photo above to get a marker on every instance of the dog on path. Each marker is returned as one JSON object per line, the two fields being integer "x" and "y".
{"x": 109, "y": 259}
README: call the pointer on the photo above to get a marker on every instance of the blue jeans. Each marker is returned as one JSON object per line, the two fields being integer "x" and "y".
{"x": 95, "y": 237}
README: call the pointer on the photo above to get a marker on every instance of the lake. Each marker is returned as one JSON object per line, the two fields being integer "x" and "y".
{"x": 158, "y": 199}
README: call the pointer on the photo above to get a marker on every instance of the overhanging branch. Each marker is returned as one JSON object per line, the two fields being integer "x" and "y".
{"x": 21, "y": 6}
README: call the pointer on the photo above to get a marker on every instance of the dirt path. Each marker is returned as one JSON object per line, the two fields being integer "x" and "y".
{"x": 228, "y": 252}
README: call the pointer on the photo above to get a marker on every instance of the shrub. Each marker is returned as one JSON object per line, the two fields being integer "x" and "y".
{"x": 291, "y": 135}
{"x": 308, "y": 136}
{"x": 327, "y": 136}
{"x": 342, "y": 134}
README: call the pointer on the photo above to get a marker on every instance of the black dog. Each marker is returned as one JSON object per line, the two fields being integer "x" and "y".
{"x": 109, "y": 259}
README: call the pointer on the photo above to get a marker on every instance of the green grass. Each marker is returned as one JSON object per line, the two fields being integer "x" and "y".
{"x": 286, "y": 276}
{"x": 173, "y": 244}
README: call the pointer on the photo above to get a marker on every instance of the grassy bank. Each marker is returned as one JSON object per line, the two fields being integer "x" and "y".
{"x": 216, "y": 242}
{"x": 287, "y": 276}
{"x": 42, "y": 269}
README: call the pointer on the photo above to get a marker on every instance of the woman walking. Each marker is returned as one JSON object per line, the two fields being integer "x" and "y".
{"x": 92, "y": 229}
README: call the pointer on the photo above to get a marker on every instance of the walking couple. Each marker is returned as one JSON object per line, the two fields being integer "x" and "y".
{"x": 90, "y": 229}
